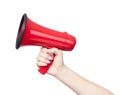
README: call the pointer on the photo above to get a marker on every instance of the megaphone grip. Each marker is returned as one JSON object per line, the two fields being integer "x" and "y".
{"x": 44, "y": 69}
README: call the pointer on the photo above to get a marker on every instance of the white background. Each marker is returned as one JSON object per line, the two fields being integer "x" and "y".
{"x": 96, "y": 56}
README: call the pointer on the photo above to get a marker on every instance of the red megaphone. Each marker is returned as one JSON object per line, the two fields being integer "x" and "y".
{"x": 30, "y": 33}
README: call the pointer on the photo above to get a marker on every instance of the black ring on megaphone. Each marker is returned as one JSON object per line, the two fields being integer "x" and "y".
{"x": 21, "y": 30}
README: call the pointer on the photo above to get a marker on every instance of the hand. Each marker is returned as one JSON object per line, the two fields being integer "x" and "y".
{"x": 46, "y": 55}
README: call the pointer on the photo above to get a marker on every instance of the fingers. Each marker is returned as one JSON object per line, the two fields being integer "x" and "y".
{"x": 42, "y": 61}
{"x": 44, "y": 57}
{"x": 55, "y": 51}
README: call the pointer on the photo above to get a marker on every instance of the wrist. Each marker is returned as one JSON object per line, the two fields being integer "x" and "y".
{"x": 60, "y": 71}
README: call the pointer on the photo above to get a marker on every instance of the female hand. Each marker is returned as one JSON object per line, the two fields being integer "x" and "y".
{"x": 46, "y": 55}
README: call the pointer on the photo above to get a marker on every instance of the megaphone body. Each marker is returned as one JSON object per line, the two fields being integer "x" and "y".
{"x": 30, "y": 33}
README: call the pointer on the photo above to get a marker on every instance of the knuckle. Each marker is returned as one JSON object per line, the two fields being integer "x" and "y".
{"x": 44, "y": 50}
{"x": 38, "y": 63}
{"x": 37, "y": 57}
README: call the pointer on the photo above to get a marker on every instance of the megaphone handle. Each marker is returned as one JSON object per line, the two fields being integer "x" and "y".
{"x": 44, "y": 69}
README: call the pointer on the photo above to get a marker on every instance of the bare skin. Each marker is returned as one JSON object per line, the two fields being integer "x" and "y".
{"x": 58, "y": 69}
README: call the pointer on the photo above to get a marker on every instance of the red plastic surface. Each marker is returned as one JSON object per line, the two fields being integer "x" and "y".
{"x": 38, "y": 35}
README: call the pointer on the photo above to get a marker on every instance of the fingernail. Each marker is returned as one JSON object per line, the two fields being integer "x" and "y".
{"x": 50, "y": 58}
{"x": 45, "y": 64}
{"x": 48, "y": 61}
